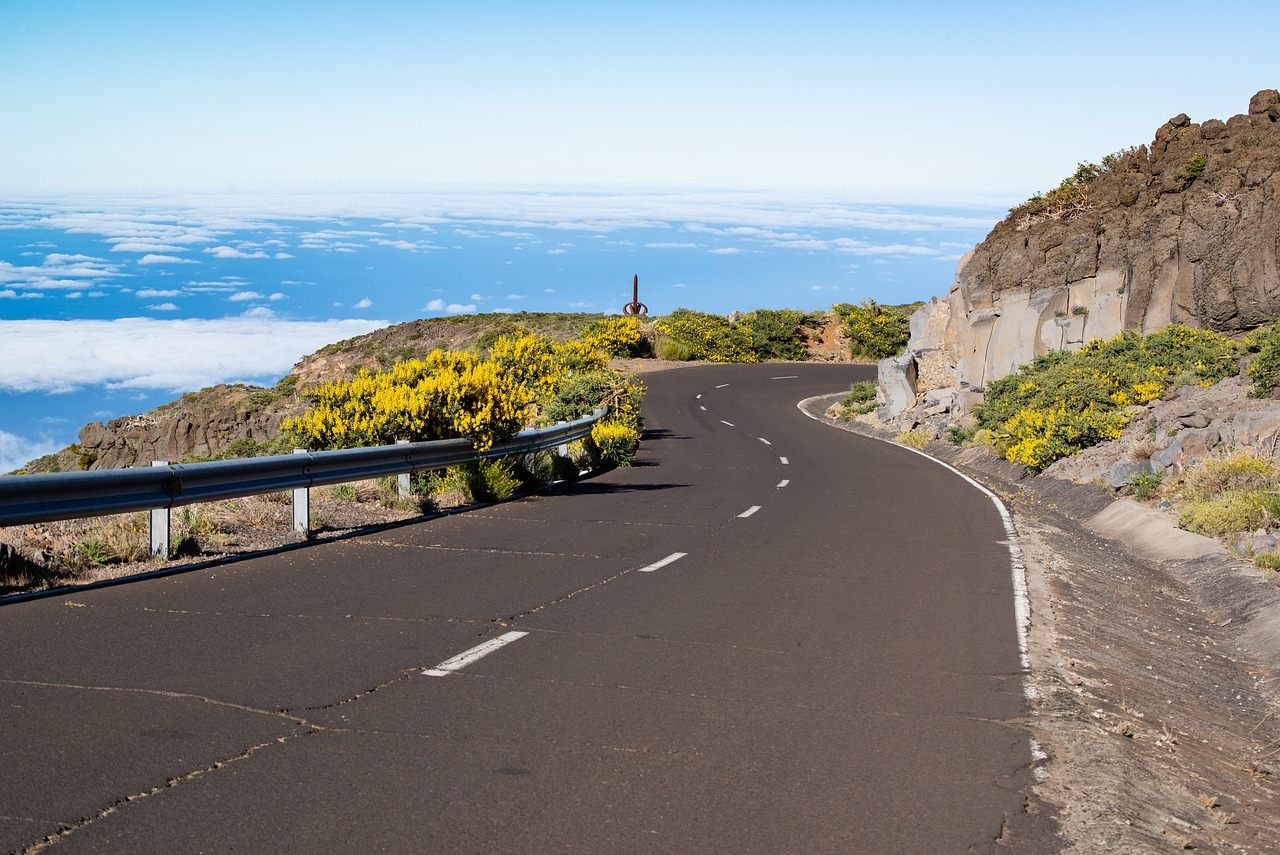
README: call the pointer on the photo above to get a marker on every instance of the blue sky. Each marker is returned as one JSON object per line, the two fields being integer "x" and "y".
{"x": 1003, "y": 96}
{"x": 201, "y": 192}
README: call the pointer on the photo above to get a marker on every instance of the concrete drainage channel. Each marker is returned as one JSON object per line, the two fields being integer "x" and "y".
{"x": 1151, "y": 656}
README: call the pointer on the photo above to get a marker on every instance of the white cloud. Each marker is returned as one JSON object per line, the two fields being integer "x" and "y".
{"x": 165, "y": 259}
{"x": 436, "y": 305}
{"x": 556, "y": 251}
{"x": 363, "y": 304}
{"x": 278, "y": 296}
{"x": 517, "y": 296}
{"x": 478, "y": 298}
{"x": 152, "y": 293}
{"x": 242, "y": 296}
{"x": 679, "y": 285}
{"x": 725, "y": 250}
{"x": 8, "y": 294}
{"x": 283, "y": 255}
{"x": 17, "y": 451}
{"x": 459, "y": 309}
{"x": 231, "y": 252}
{"x": 580, "y": 305}
{"x": 670, "y": 245}
{"x": 146, "y": 246}
{"x": 163, "y": 307}
{"x": 259, "y": 312}
{"x": 173, "y": 355}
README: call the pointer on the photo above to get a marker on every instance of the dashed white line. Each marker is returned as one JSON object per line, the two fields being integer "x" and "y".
{"x": 730, "y": 424}
{"x": 722, "y": 385}
{"x": 765, "y": 441}
{"x": 699, "y": 398}
{"x": 704, "y": 409}
{"x": 749, "y": 511}
{"x": 462, "y": 660}
{"x": 784, "y": 461}
{"x": 658, "y": 565}
{"x": 787, "y": 377}
{"x": 784, "y": 482}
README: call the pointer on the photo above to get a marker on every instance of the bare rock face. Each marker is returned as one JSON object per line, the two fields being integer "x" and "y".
{"x": 200, "y": 424}
{"x": 1185, "y": 231}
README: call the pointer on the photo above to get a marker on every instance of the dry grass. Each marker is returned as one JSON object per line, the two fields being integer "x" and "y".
{"x": 45, "y": 555}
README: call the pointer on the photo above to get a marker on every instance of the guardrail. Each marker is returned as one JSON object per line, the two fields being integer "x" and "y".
{"x": 162, "y": 486}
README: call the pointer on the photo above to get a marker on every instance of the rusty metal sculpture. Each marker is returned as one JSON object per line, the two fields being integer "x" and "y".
{"x": 635, "y": 307}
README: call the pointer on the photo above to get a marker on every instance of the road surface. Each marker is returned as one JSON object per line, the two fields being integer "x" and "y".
{"x": 767, "y": 636}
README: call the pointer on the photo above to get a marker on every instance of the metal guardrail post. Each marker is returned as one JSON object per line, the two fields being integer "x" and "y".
{"x": 404, "y": 484}
{"x": 302, "y": 506}
{"x": 159, "y": 525}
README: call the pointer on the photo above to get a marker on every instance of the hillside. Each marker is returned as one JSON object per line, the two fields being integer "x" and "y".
{"x": 1185, "y": 230}
{"x": 238, "y": 420}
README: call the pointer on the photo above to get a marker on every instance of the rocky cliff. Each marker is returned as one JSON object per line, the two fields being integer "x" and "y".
{"x": 1186, "y": 230}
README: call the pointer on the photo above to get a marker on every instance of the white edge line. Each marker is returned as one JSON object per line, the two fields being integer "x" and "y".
{"x": 765, "y": 441}
{"x": 784, "y": 482}
{"x": 462, "y": 660}
{"x": 749, "y": 511}
{"x": 722, "y": 385}
{"x": 730, "y": 424}
{"x": 784, "y": 461}
{"x": 658, "y": 565}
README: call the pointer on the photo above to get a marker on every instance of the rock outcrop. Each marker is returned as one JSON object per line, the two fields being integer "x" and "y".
{"x": 1184, "y": 231}
{"x": 198, "y": 425}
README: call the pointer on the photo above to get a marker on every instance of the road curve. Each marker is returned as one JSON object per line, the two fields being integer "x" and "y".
{"x": 767, "y": 636}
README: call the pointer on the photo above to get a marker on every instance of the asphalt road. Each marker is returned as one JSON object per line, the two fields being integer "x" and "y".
{"x": 768, "y": 636}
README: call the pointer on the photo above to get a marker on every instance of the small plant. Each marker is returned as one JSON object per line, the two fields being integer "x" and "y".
{"x": 1079, "y": 310}
{"x": 957, "y": 435}
{"x": 1194, "y": 168}
{"x": 1229, "y": 495}
{"x": 617, "y": 442}
{"x": 1268, "y": 562}
{"x": 860, "y": 392}
{"x": 1145, "y": 486}
{"x": 916, "y": 438}
{"x": 345, "y": 492}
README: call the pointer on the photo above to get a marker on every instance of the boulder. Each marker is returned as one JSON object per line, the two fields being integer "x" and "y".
{"x": 897, "y": 383}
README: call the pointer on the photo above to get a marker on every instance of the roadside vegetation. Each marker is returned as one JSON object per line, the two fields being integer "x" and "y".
{"x": 1064, "y": 402}
{"x": 873, "y": 331}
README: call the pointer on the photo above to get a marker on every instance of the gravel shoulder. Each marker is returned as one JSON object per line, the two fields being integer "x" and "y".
{"x": 1153, "y": 670}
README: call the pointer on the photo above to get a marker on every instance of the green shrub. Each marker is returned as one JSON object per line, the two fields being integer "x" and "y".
{"x": 1145, "y": 486}
{"x": 616, "y": 441}
{"x": 579, "y": 396}
{"x": 778, "y": 333}
{"x": 860, "y": 393}
{"x": 711, "y": 337}
{"x": 1268, "y": 562}
{"x": 480, "y": 481}
{"x": 1194, "y": 168}
{"x": 1230, "y": 513}
{"x": 1228, "y": 495}
{"x": 1264, "y": 367}
{"x": 915, "y": 438}
{"x": 874, "y": 331}
{"x": 957, "y": 435}
{"x": 1064, "y": 402}
{"x": 672, "y": 350}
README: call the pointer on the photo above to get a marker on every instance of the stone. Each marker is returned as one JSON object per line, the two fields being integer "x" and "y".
{"x": 897, "y": 382}
{"x": 1120, "y": 474}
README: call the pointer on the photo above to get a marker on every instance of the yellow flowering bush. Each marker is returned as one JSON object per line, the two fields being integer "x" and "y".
{"x": 448, "y": 394}
{"x": 1036, "y": 438}
{"x": 617, "y": 441}
{"x": 616, "y": 336}
{"x": 711, "y": 337}
{"x": 873, "y": 331}
{"x": 1064, "y": 402}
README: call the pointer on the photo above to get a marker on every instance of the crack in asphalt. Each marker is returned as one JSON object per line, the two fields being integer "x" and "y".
{"x": 484, "y": 551}
{"x": 85, "y": 822}
{"x": 371, "y": 618}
